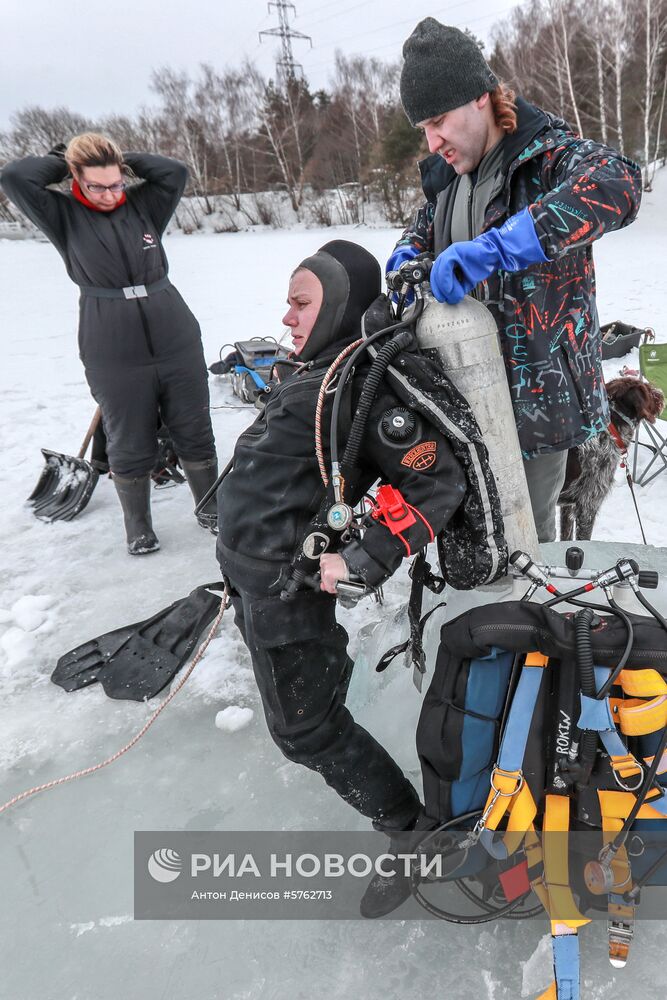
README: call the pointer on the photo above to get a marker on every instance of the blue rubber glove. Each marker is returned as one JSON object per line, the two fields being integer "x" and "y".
{"x": 512, "y": 247}
{"x": 399, "y": 256}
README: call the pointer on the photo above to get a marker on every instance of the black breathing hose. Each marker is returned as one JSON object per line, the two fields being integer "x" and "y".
{"x": 611, "y": 680}
{"x": 338, "y": 395}
{"x": 646, "y": 786}
{"x": 619, "y": 613}
{"x": 377, "y": 371}
{"x": 583, "y": 621}
{"x": 651, "y": 610}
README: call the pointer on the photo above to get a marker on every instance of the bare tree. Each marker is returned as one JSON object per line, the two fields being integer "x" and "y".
{"x": 599, "y": 39}
{"x": 655, "y": 40}
{"x": 285, "y": 122}
{"x": 616, "y": 22}
{"x": 562, "y": 42}
{"x": 35, "y": 130}
{"x": 182, "y": 123}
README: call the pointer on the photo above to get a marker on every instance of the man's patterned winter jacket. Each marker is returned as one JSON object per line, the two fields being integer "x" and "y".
{"x": 576, "y": 190}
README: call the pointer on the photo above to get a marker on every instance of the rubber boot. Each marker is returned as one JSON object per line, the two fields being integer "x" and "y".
{"x": 200, "y": 477}
{"x": 135, "y": 499}
{"x": 385, "y": 893}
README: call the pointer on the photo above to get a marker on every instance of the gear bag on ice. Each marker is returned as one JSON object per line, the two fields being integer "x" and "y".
{"x": 549, "y": 761}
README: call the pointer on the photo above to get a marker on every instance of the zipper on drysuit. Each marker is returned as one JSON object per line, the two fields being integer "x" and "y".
{"x": 471, "y": 235}
{"x": 131, "y": 281}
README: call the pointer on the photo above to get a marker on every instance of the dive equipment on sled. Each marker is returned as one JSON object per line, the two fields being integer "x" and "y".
{"x": 543, "y": 740}
{"x": 137, "y": 661}
{"x": 249, "y": 365}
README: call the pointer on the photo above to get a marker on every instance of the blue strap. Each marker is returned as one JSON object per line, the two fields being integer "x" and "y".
{"x": 515, "y": 738}
{"x": 597, "y": 716}
{"x": 517, "y": 728}
{"x": 566, "y": 965}
{"x": 242, "y": 370}
{"x": 494, "y": 848}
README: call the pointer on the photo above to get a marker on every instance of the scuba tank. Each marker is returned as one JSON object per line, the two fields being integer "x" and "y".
{"x": 466, "y": 340}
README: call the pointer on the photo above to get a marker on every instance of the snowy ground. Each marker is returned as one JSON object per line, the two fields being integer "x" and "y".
{"x": 67, "y": 856}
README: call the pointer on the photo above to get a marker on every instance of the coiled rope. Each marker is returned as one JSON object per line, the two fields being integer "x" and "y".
{"x": 135, "y": 739}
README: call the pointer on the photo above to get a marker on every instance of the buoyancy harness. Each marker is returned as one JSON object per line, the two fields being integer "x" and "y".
{"x": 545, "y": 765}
{"x": 471, "y": 548}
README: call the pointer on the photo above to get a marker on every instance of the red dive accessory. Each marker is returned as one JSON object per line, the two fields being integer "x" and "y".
{"x": 392, "y": 510}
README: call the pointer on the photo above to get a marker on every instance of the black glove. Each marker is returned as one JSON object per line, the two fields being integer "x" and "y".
{"x": 378, "y": 316}
{"x": 58, "y": 150}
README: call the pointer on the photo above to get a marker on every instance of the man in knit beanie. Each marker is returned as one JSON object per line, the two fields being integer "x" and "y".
{"x": 514, "y": 201}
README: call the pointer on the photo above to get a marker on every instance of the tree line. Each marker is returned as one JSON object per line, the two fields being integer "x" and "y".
{"x": 599, "y": 64}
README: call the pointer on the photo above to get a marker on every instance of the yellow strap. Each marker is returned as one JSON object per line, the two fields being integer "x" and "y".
{"x": 642, "y": 683}
{"x": 626, "y": 767}
{"x": 617, "y": 805}
{"x": 510, "y": 795}
{"x": 639, "y": 717}
{"x": 507, "y": 783}
{"x": 550, "y": 994}
{"x": 562, "y": 907}
{"x": 523, "y": 811}
{"x": 536, "y": 660}
{"x": 557, "y": 813}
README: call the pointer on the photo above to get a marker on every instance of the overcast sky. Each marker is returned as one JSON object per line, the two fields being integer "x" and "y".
{"x": 96, "y": 57}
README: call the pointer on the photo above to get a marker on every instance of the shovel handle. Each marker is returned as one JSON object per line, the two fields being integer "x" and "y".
{"x": 97, "y": 416}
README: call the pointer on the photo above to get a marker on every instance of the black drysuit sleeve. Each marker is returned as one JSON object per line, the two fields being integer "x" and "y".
{"x": 25, "y": 182}
{"x": 163, "y": 182}
{"x": 430, "y": 479}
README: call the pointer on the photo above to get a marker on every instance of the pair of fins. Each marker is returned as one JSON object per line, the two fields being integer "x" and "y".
{"x": 137, "y": 661}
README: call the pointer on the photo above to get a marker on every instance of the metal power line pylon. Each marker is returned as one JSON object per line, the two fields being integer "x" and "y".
{"x": 286, "y": 65}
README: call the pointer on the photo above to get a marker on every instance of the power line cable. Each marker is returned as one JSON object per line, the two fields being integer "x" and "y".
{"x": 378, "y": 48}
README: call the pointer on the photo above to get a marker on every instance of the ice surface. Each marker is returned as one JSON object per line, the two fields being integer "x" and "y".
{"x": 66, "y": 858}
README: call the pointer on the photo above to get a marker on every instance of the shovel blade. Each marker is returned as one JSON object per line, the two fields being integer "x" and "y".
{"x": 64, "y": 487}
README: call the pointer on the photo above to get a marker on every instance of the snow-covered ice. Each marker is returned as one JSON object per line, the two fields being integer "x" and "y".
{"x": 66, "y": 859}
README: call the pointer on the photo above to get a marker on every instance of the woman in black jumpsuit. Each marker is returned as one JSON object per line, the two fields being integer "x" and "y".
{"x": 139, "y": 342}
{"x": 266, "y": 502}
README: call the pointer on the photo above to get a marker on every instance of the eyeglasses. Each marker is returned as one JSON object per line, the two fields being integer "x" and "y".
{"x": 101, "y": 188}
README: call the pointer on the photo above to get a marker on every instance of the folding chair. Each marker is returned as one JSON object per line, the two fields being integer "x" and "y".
{"x": 653, "y": 367}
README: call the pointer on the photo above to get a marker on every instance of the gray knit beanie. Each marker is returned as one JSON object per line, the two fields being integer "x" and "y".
{"x": 443, "y": 69}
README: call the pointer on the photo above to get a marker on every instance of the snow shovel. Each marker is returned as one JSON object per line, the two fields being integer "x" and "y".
{"x": 66, "y": 483}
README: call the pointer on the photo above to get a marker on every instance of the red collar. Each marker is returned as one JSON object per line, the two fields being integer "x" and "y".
{"x": 80, "y": 196}
{"x": 616, "y": 438}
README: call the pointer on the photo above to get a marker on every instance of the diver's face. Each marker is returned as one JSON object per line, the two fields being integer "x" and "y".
{"x": 304, "y": 299}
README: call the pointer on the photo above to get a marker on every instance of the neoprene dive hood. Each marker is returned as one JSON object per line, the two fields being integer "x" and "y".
{"x": 351, "y": 279}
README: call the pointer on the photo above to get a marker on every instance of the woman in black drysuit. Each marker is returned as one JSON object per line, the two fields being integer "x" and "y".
{"x": 265, "y": 504}
{"x": 139, "y": 343}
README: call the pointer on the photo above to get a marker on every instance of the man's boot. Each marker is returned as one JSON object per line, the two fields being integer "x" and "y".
{"x": 135, "y": 499}
{"x": 385, "y": 893}
{"x": 200, "y": 477}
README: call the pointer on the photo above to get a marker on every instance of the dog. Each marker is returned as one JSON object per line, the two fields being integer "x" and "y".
{"x": 591, "y": 466}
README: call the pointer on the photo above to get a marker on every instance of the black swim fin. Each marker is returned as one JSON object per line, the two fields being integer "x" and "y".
{"x": 137, "y": 661}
